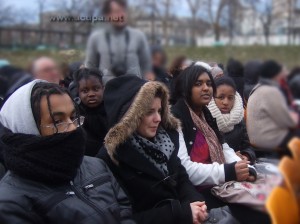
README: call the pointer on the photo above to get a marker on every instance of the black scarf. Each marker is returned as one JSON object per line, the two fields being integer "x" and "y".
{"x": 158, "y": 151}
{"x": 47, "y": 159}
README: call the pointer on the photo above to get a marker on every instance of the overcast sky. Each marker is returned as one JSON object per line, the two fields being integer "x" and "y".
{"x": 30, "y": 7}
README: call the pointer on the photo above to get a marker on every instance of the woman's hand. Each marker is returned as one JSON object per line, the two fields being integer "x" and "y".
{"x": 243, "y": 157}
{"x": 242, "y": 170}
{"x": 251, "y": 179}
{"x": 199, "y": 212}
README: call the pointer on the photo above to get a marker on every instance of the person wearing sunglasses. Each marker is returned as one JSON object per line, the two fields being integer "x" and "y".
{"x": 49, "y": 180}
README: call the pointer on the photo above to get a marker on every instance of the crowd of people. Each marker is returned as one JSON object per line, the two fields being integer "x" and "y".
{"x": 122, "y": 138}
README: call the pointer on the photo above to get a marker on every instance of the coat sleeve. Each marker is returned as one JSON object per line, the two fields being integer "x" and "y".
{"x": 229, "y": 153}
{"x": 92, "y": 56}
{"x": 172, "y": 212}
{"x": 185, "y": 187}
{"x": 123, "y": 201}
{"x": 245, "y": 145}
{"x": 278, "y": 110}
{"x": 144, "y": 55}
{"x": 199, "y": 173}
{"x": 11, "y": 212}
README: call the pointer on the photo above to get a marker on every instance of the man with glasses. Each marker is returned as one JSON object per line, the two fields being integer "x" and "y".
{"x": 49, "y": 180}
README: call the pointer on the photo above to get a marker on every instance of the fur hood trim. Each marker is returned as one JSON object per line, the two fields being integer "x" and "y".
{"x": 129, "y": 123}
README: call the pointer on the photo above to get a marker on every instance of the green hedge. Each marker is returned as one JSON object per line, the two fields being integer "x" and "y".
{"x": 288, "y": 55}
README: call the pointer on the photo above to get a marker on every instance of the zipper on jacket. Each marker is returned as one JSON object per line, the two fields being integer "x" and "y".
{"x": 97, "y": 182}
{"x": 81, "y": 197}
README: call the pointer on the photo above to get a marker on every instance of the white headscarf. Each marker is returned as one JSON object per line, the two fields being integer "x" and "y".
{"x": 16, "y": 113}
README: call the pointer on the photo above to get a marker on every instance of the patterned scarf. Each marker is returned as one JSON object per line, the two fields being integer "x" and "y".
{"x": 226, "y": 122}
{"x": 157, "y": 151}
{"x": 215, "y": 148}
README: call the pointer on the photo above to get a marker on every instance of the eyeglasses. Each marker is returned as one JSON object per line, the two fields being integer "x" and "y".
{"x": 64, "y": 126}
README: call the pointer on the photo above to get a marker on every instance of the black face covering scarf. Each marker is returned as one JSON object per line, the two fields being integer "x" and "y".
{"x": 50, "y": 159}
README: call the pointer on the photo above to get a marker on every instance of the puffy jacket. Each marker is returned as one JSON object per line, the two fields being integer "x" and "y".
{"x": 94, "y": 196}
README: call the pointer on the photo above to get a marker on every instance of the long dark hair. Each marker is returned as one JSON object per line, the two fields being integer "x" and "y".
{"x": 186, "y": 81}
{"x": 46, "y": 89}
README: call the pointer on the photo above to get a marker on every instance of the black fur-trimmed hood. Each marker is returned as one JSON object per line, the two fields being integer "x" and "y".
{"x": 141, "y": 102}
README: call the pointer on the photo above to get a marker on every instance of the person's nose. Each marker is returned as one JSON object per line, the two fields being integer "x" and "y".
{"x": 91, "y": 93}
{"x": 72, "y": 126}
{"x": 225, "y": 101}
{"x": 157, "y": 118}
{"x": 205, "y": 87}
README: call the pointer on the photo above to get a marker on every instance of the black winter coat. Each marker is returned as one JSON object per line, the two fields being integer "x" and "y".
{"x": 2, "y": 166}
{"x": 93, "y": 197}
{"x": 95, "y": 126}
{"x": 238, "y": 140}
{"x": 154, "y": 197}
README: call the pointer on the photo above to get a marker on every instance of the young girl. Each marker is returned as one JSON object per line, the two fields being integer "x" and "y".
{"x": 227, "y": 108}
{"x": 90, "y": 91}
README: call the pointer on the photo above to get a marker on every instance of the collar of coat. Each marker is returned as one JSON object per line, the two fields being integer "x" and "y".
{"x": 182, "y": 110}
{"x": 129, "y": 123}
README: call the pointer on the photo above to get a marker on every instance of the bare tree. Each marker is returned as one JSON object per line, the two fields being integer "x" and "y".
{"x": 254, "y": 16}
{"x": 216, "y": 11}
{"x": 41, "y": 7}
{"x": 291, "y": 5}
{"x": 166, "y": 19}
{"x": 234, "y": 15}
{"x": 75, "y": 9}
{"x": 6, "y": 13}
{"x": 264, "y": 9}
{"x": 149, "y": 8}
{"x": 266, "y": 19}
{"x": 23, "y": 16}
{"x": 194, "y": 6}
{"x": 92, "y": 8}
{"x": 159, "y": 12}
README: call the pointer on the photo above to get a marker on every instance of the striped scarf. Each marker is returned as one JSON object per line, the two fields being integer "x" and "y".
{"x": 215, "y": 148}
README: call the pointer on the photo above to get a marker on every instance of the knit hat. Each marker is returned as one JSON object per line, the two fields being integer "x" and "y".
{"x": 216, "y": 72}
{"x": 270, "y": 69}
{"x": 203, "y": 64}
{"x": 118, "y": 95}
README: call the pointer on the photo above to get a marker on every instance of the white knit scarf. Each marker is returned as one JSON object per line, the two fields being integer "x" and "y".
{"x": 226, "y": 122}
